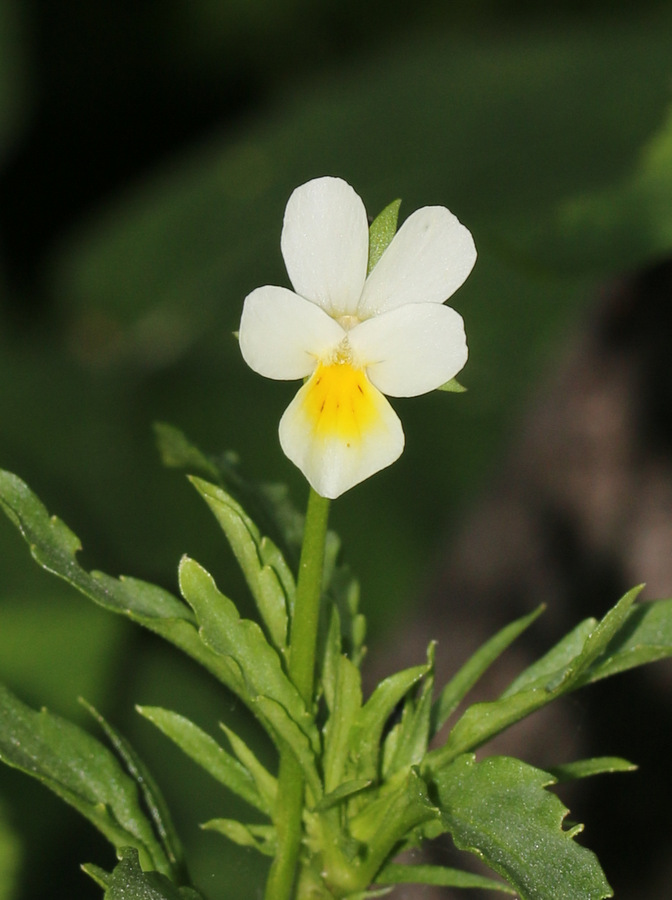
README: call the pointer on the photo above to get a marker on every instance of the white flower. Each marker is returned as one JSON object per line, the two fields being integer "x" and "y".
{"x": 356, "y": 338}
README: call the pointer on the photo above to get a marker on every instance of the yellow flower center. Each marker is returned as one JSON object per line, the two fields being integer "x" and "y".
{"x": 340, "y": 400}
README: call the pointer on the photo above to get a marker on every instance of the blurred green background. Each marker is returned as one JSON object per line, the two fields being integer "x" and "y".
{"x": 147, "y": 150}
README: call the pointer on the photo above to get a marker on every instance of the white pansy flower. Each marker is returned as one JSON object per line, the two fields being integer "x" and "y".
{"x": 355, "y": 338}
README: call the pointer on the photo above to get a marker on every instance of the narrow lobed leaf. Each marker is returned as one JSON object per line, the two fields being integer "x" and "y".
{"x": 151, "y": 794}
{"x": 206, "y": 752}
{"x": 586, "y": 768}
{"x": 463, "y": 681}
{"x": 80, "y": 770}
{"x": 441, "y": 876}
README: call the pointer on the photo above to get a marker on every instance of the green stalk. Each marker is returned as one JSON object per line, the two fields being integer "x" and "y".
{"x": 302, "y": 648}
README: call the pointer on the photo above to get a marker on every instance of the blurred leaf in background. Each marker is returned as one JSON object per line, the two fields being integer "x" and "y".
{"x": 145, "y": 200}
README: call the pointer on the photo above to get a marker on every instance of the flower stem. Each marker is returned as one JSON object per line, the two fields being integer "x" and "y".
{"x": 302, "y": 648}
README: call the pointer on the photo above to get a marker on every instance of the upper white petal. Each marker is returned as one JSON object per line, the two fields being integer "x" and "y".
{"x": 325, "y": 244}
{"x": 427, "y": 261}
{"x": 282, "y": 335}
{"x": 412, "y": 349}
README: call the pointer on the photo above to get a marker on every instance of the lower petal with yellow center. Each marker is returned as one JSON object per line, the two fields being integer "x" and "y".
{"x": 340, "y": 429}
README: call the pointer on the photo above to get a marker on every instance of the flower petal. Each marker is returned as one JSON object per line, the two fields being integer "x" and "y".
{"x": 427, "y": 261}
{"x": 339, "y": 429}
{"x": 412, "y": 349}
{"x": 325, "y": 244}
{"x": 282, "y": 335}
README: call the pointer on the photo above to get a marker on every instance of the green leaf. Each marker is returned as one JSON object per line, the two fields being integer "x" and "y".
{"x": 500, "y": 810}
{"x": 441, "y": 876}
{"x": 646, "y": 636}
{"x": 128, "y": 882}
{"x": 406, "y": 744}
{"x": 342, "y": 792}
{"x": 453, "y": 387}
{"x": 566, "y": 667}
{"x": 388, "y": 820}
{"x": 381, "y": 232}
{"x": 54, "y": 547}
{"x": 205, "y": 751}
{"x": 261, "y": 837}
{"x": 586, "y": 768}
{"x": 243, "y": 641}
{"x": 345, "y": 706}
{"x": 266, "y": 572}
{"x": 267, "y": 504}
{"x": 151, "y": 794}
{"x": 367, "y": 728}
{"x": 267, "y": 784}
{"x": 81, "y": 771}
{"x": 10, "y": 858}
{"x": 286, "y": 734}
{"x": 462, "y": 682}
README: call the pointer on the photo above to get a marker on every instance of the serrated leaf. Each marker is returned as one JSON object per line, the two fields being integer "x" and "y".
{"x": 463, "y": 681}
{"x": 205, "y": 751}
{"x": 261, "y": 837}
{"x": 54, "y": 547}
{"x": 441, "y": 876}
{"x": 381, "y": 232}
{"x": 128, "y": 882}
{"x": 242, "y": 640}
{"x": 367, "y": 729}
{"x": 266, "y": 572}
{"x": 500, "y": 810}
{"x": 586, "y": 768}
{"x": 81, "y": 771}
{"x": 151, "y": 794}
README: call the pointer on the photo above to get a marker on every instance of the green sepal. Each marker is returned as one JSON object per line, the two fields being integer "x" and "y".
{"x": 260, "y": 837}
{"x": 266, "y": 572}
{"x": 441, "y": 876}
{"x": 382, "y": 230}
{"x": 242, "y": 641}
{"x": 453, "y": 387}
{"x": 586, "y": 768}
{"x": 54, "y": 547}
{"x": 500, "y": 810}
{"x": 462, "y": 682}
{"x": 127, "y": 881}
{"x": 80, "y": 770}
{"x": 152, "y": 796}
{"x": 205, "y": 751}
